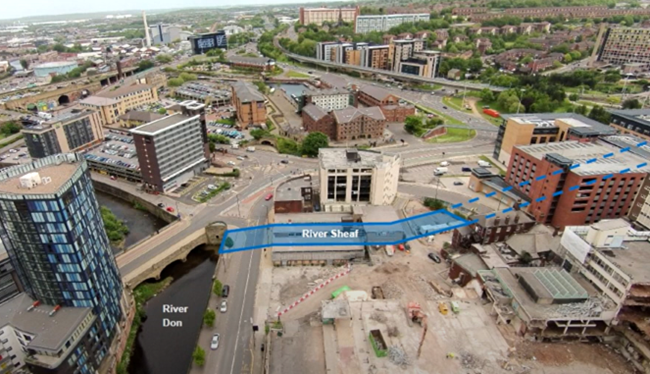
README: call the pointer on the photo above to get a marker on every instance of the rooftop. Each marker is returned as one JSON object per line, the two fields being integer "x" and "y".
{"x": 117, "y": 150}
{"x": 538, "y": 240}
{"x": 262, "y": 61}
{"x": 314, "y": 111}
{"x": 64, "y": 116}
{"x": 99, "y": 101}
{"x": 332, "y": 158}
{"x": 327, "y": 91}
{"x": 125, "y": 90}
{"x": 140, "y": 116}
{"x": 291, "y": 190}
{"x": 54, "y": 64}
{"x": 579, "y": 124}
{"x": 246, "y": 93}
{"x": 471, "y": 263}
{"x": 375, "y": 92}
{"x": 634, "y": 260}
{"x": 378, "y": 213}
{"x": 54, "y": 171}
{"x": 333, "y": 80}
{"x": 162, "y": 124}
{"x": 624, "y": 141}
{"x": 504, "y": 219}
{"x": 637, "y": 115}
{"x": 351, "y": 113}
{"x": 579, "y": 153}
{"x": 50, "y": 332}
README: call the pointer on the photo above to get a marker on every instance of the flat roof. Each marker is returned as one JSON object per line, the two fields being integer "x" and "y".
{"x": 579, "y": 153}
{"x": 579, "y": 124}
{"x": 332, "y": 158}
{"x": 99, "y": 101}
{"x": 641, "y": 116}
{"x": 311, "y": 217}
{"x": 291, "y": 190}
{"x": 115, "y": 150}
{"x": 58, "y": 174}
{"x": 164, "y": 123}
{"x": 64, "y": 116}
{"x": 50, "y": 332}
{"x": 378, "y": 213}
{"x": 124, "y": 90}
{"x": 634, "y": 260}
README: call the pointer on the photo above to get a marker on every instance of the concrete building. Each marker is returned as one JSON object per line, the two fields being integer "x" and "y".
{"x": 54, "y": 68}
{"x": 115, "y": 157}
{"x": 135, "y": 118}
{"x": 350, "y": 177}
{"x": 298, "y": 195}
{"x": 328, "y": 99}
{"x": 112, "y": 104}
{"x": 233, "y": 30}
{"x": 613, "y": 257}
{"x": 249, "y": 103}
{"x": 564, "y": 195}
{"x": 204, "y": 93}
{"x": 393, "y": 108}
{"x": 632, "y": 121}
{"x": 165, "y": 34}
{"x": 70, "y": 314}
{"x": 384, "y": 22}
{"x": 543, "y": 128}
{"x": 625, "y": 45}
{"x": 257, "y": 63}
{"x": 334, "y": 15}
{"x": 173, "y": 149}
{"x": 70, "y": 131}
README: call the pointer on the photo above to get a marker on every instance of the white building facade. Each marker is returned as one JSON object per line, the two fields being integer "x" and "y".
{"x": 385, "y": 22}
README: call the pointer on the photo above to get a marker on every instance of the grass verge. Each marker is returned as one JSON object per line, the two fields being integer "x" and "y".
{"x": 454, "y": 135}
{"x": 141, "y": 294}
{"x": 450, "y": 120}
{"x": 296, "y": 74}
{"x": 224, "y": 186}
{"x": 12, "y": 141}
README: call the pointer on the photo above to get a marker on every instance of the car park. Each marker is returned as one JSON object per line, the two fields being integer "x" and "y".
{"x": 466, "y": 169}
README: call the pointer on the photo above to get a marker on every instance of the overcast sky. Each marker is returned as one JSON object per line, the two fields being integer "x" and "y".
{"x": 27, "y": 8}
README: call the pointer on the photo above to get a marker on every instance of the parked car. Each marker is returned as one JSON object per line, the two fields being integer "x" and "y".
{"x": 240, "y": 158}
{"x": 225, "y": 290}
{"x": 214, "y": 344}
{"x": 458, "y": 183}
{"x": 444, "y": 107}
{"x": 231, "y": 163}
{"x": 161, "y": 205}
{"x": 268, "y": 197}
{"x": 434, "y": 257}
{"x": 224, "y": 306}
{"x": 466, "y": 169}
{"x": 285, "y": 161}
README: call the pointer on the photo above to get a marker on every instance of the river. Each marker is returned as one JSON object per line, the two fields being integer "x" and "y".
{"x": 168, "y": 350}
{"x": 141, "y": 223}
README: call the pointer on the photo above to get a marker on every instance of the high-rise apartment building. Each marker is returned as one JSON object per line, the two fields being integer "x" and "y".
{"x": 352, "y": 177}
{"x": 625, "y": 45}
{"x": 319, "y": 15}
{"x": 403, "y": 50}
{"x": 69, "y": 131}
{"x": 54, "y": 235}
{"x": 574, "y": 183}
{"x": 423, "y": 64}
{"x": 173, "y": 149}
{"x": 249, "y": 103}
{"x": 385, "y": 22}
{"x": 112, "y": 104}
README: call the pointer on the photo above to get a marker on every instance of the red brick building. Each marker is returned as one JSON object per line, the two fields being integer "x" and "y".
{"x": 573, "y": 183}
{"x": 493, "y": 229}
{"x": 345, "y": 124}
{"x": 388, "y": 103}
{"x": 315, "y": 118}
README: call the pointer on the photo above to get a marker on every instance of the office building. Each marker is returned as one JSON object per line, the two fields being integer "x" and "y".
{"x": 112, "y": 104}
{"x": 249, "y": 103}
{"x": 345, "y": 124}
{"x": 165, "y": 34}
{"x": 173, "y": 149}
{"x": 68, "y": 131}
{"x": 350, "y": 177}
{"x": 402, "y": 50}
{"x": 632, "y": 122}
{"x": 384, "y": 22}
{"x": 423, "y": 64}
{"x": 328, "y": 99}
{"x": 333, "y": 15}
{"x": 68, "y": 317}
{"x": 562, "y": 194}
{"x": 625, "y": 45}
{"x": 542, "y": 128}
{"x": 394, "y": 109}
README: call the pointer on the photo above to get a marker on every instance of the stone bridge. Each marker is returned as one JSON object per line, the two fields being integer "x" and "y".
{"x": 210, "y": 236}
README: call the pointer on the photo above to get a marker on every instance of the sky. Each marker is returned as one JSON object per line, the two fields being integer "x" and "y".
{"x": 27, "y": 8}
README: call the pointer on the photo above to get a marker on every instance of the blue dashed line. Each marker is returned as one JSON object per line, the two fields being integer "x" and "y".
{"x": 525, "y": 203}
{"x": 524, "y": 183}
{"x": 642, "y": 144}
{"x": 625, "y": 149}
{"x": 507, "y": 189}
{"x": 606, "y": 177}
{"x": 473, "y": 200}
{"x": 490, "y": 194}
{"x": 457, "y": 205}
{"x": 574, "y": 166}
{"x": 557, "y": 172}
{"x": 642, "y": 165}
{"x": 625, "y": 171}
{"x": 540, "y": 177}
{"x": 589, "y": 183}
{"x": 591, "y": 160}
{"x": 573, "y": 188}
{"x": 558, "y": 193}
{"x": 506, "y": 210}
{"x": 491, "y": 215}
{"x": 541, "y": 198}
{"x": 608, "y": 155}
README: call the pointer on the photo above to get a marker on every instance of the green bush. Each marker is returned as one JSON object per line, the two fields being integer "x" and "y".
{"x": 434, "y": 204}
{"x": 116, "y": 230}
{"x": 199, "y": 356}
{"x": 209, "y": 317}
{"x": 217, "y": 287}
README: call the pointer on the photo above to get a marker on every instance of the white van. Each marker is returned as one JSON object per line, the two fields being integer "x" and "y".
{"x": 440, "y": 171}
{"x": 250, "y": 149}
{"x": 444, "y": 163}
{"x": 484, "y": 164}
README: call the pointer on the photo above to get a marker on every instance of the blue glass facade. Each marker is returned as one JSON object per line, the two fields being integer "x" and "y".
{"x": 58, "y": 246}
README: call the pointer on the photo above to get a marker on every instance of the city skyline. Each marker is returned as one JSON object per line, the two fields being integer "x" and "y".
{"x": 36, "y": 8}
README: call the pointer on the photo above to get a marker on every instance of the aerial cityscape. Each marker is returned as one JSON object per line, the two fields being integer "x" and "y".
{"x": 377, "y": 187}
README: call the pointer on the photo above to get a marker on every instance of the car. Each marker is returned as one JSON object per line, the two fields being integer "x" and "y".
{"x": 224, "y": 306}
{"x": 170, "y": 209}
{"x": 434, "y": 257}
{"x": 231, "y": 163}
{"x": 285, "y": 161}
{"x": 466, "y": 169}
{"x": 214, "y": 344}
{"x": 212, "y": 187}
{"x": 225, "y": 290}
{"x": 161, "y": 205}
{"x": 458, "y": 183}
{"x": 268, "y": 197}
{"x": 240, "y": 158}
{"x": 13, "y": 150}
{"x": 444, "y": 107}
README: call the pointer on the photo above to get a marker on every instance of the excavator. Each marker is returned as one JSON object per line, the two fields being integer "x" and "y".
{"x": 414, "y": 313}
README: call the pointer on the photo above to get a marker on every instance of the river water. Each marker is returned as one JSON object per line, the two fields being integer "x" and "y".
{"x": 141, "y": 223}
{"x": 168, "y": 350}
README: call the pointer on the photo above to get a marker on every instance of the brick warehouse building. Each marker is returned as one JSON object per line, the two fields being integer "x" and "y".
{"x": 389, "y": 103}
{"x": 562, "y": 194}
{"x": 345, "y": 124}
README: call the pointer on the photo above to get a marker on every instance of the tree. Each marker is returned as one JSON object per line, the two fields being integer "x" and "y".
{"x": 174, "y": 82}
{"x": 486, "y": 95}
{"x": 474, "y": 64}
{"x": 10, "y": 128}
{"x": 526, "y": 60}
{"x": 145, "y": 64}
{"x": 313, "y": 142}
{"x": 187, "y": 77}
{"x": 59, "y": 48}
{"x": 162, "y": 111}
{"x": 217, "y": 287}
{"x": 24, "y": 63}
{"x": 198, "y": 356}
{"x": 574, "y": 97}
{"x": 567, "y": 58}
{"x": 598, "y": 113}
{"x": 526, "y": 257}
{"x": 413, "y": 125}
{"x": 434, "y": 204}
{"x": 209, "y": 317}
{"x": 164, "y": 59}
{"x": 212, "y": 146}
{"x": 258, "y": 134}
{"x": 632, "y": 104}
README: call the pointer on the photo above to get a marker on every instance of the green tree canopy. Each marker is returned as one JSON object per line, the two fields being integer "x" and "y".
{"x": 164, "y": 59}
{"x": 174, "y": 82}
{"x": 313, "y": 142}
{"x": 198, "y": 356}
{"x": 145, "y": 64}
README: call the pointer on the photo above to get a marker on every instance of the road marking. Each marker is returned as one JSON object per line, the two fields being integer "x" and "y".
{"x": 241, "y": 314}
